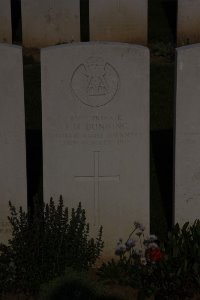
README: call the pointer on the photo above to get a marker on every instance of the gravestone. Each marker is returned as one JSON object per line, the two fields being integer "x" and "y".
{"x": 50, "y": 22}
{"x": 95, "y": 103}
{"x": 187, "y": 137}
{"x": 188, "y": 22}
{"x": 118, "y": 21}
{"x": 5, "y": 22}
{"x": 12, "y": 135}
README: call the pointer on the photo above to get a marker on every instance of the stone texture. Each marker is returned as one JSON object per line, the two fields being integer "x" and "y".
{"x": 50, "y": 22}
{"x": 95, "y": 103}
{"x": 187, "y": 137}
{"x": 119, "y": 21}
{"x": 188, "y": 23}
{"x": 12, "y": 135}
{"x": 5, "y": 22}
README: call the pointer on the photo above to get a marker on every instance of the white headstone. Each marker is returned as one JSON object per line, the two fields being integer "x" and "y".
{"x": 188, "y": 22}
{"x": 12, "y": 135}
{"x": 50, "y": 22}
{"x": 5, "y": 22}
{"x": 118, "y": 20}
{"x": 187, "y": 138}
{"x": 95, "y": 103}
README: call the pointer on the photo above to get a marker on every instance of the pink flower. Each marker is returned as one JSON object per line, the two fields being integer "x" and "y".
{"x": 120, "y": 248}
{"x": 130, "y": 244}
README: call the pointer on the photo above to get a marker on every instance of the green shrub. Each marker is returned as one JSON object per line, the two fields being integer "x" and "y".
{"x": 177, "y": 276}
{"x": 43, "y": 244}
{"x": 74, "y": 285}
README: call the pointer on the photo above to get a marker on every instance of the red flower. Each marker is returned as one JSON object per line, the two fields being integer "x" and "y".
{"x": 153, "y": 254}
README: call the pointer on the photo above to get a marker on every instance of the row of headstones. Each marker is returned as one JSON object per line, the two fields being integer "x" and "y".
{"x": 52, "y": 22}
{"x": 95, "y": 123}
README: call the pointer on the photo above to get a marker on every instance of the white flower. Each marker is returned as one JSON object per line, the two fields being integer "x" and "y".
{"x": 152, "y": 246}
{"x": 143, "y": 261}
{"x": 130, "y": 243}
{"x": 153, "y": 238}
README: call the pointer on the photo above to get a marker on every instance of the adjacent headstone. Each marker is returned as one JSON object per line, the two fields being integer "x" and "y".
{"x": 118, "y": 21}
{"x": 188, "y": 23}
{"x": 12, "y": 135}
{"x": 5, "y": 22}
{"x": 50, "y": 22}
{"x": 95, "y": 103}
{"x": 187, "y": 137}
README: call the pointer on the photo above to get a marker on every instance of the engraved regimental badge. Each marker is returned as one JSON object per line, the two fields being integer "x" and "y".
{"x": 95, "y": 82}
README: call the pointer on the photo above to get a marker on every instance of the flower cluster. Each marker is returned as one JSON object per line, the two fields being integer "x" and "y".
{"x": 168, "y": 269}
{"x": 138, "y": 249}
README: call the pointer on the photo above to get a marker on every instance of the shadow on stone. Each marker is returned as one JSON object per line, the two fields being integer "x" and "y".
{"x": 170, "y": 9}
{"x": 34, "y": 164}
{"x": 16, "y": 21}
{"x": 162, "y": 151}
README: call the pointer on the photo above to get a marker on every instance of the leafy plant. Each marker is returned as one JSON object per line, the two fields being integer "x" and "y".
{"x": 170, "y": 270}
{"x": 177, "y": 276}
{"x": 75, "y": 285}
{"x": 43, "y": 244}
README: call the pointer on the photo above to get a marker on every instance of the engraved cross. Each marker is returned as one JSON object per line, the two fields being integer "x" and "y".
{"x": 96, "y": 179}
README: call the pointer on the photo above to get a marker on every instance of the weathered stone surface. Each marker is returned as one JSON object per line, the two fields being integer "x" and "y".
{"x": 12, "y": 135}
{"x": 95, "y": 103}
{"x": 50, "y": 22}
{"x": 188, "y": 23}
{"x": 5, "y": 22}
{"x": 119, "y": 21}
{"x": 187, "y": 137}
